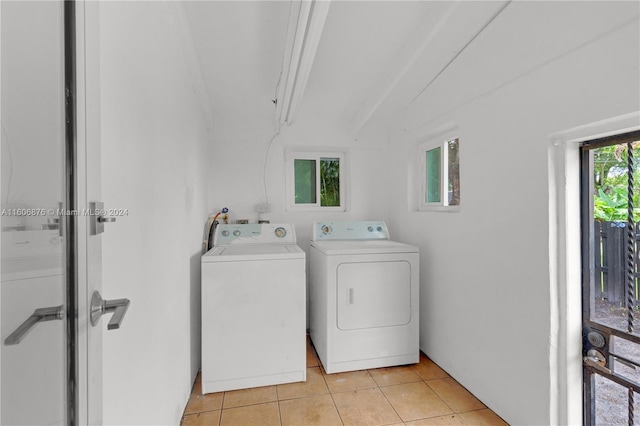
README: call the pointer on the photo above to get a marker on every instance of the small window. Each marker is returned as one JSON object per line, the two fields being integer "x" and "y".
{"x": 315, "y": 180}
{"x": 440, "y": 189}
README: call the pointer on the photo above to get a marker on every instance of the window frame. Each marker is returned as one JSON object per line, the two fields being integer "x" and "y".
{"x": 443, "y": 204}
{"x": 296, "y": 154}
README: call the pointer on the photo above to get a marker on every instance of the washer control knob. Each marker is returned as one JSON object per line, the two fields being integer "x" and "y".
{"x": 225, "y": 233}
{"x": 326, "y": 229}
{"x": 379, "y": 228}
{"x": 236, "y": 232}
{"x": 370, "y": 228}
{"x": 280, "y": 232}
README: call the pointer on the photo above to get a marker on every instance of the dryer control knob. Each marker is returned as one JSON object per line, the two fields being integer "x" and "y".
{"x": 326, "y": 229}
{"x": 236, "y": 233}
{"x": 225, "y": 233}
{"x": 370, "y": 228}
{"x": 280, "y": 232}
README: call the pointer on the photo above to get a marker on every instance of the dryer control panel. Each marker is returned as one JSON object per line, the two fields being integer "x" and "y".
{"x": 365, "y": 230}
{"x": 254, "y": 233}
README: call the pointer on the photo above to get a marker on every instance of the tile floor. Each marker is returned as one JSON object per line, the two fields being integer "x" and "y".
{"x": 420, "y": 394}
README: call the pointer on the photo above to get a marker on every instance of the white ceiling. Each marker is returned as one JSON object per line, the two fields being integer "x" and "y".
{"x": 374, "y": 58}
{"x": 239, "y": 46}
{"x": 364, "y": 52}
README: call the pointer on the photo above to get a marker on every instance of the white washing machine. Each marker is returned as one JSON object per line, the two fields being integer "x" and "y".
{"x": 363, "y": 297}
{"x": 253, "y": 308}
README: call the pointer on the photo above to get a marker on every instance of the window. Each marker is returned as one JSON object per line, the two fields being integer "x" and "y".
{"x": 315, "y": 180}
{"x": 440, "y": 189}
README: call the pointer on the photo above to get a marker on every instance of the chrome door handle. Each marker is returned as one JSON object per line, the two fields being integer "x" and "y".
{"x": 39, "y": 315}
{"x": 98, "y": 219}
{"x": 99, "y": 307}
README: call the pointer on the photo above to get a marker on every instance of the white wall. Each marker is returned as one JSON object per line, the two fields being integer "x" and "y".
{"x": 238, "y": 177}
{"x": 486, "y": 300}
{"x": 486, "y": 311}
{"x": 238, "y": 181}
{"x": 153, "y": 160}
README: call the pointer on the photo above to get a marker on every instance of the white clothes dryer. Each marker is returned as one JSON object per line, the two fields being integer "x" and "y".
{"x": 363, "y": 297}
{"x": 253, "y": 308}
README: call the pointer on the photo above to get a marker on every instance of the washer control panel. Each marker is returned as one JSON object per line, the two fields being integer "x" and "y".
{"x": 365, "y": 230}
{"x": 254, "y": 233}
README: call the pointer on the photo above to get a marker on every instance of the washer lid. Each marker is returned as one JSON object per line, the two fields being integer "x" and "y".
{"x": 253, "y": 252}
{"x": 362, "y": 247}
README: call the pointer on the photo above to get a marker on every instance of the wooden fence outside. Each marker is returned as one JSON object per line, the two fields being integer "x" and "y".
{"x": 610, "y": 262}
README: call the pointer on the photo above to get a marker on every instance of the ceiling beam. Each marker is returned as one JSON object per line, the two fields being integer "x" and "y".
{"x": 426, "y": 37}
{"x": 406, "y": 58}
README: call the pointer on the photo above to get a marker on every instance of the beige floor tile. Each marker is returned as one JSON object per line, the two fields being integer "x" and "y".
{"x": 314, "y": 410}
{"x": 358, "y": 400}
{"x": 394, "y": 375}
{"x": 455, "y": 395}
{"x": 197, "y": 385}
{"x": 260, "y": 414}
{"x": 414, "y": 401}
{"x": 428, "y": 370}
{"x": 365, "y": 407}
{"x": 315, "y": 385}
{"x": 202, "y": 419}
{"x": 199, "y": 403}
{"x": 312, "y": 356}
{"x": 484, "y": 417}
{"x": 352, "y": 380}
{"x": 449, "y": 419}
{"x": 250, "y": 396}
{"x": 197, "y": 388}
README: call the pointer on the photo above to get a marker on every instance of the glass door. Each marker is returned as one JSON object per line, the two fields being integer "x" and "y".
{"x": 38, "y": 365}
{"x": 611, "y": 294}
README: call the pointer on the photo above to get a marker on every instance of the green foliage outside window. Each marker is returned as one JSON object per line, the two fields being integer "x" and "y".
{"x": 330, "y": 182}
{"x": 454, "y": 172}
{"x": 610, "y": 183}
{"x": 305, "y": 175}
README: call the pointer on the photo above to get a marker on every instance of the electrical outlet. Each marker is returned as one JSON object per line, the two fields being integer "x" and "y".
{"x": 262, "y": 208}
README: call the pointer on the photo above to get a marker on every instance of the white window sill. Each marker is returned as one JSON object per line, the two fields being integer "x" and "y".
{"x": 442, "y": 209}
{"x": 315, "y": 209}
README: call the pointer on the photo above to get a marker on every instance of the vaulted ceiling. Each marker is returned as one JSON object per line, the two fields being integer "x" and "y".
{"x": 373, "y": 58}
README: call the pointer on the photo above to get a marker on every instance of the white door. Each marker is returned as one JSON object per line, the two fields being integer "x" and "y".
{"x": 51, "y": 355}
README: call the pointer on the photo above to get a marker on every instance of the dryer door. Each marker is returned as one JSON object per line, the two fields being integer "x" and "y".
{"x": 373, "y": 294}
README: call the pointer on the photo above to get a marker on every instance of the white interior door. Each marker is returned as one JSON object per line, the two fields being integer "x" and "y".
{"x": 33, "y": 286}
{"x": 51, "y": 264}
